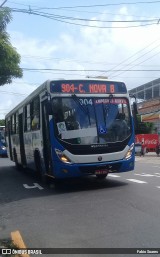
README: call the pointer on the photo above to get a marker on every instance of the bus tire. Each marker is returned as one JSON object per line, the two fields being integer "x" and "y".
{"x": 101, "y": 176}
{"x": 39, "y": 169}
{"x": 18, "y": 166}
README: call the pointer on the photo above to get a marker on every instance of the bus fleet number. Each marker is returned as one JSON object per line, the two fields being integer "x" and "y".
{"x": 85, "y": 101}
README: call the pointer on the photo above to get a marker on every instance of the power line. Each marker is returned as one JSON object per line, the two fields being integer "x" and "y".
{"x": 137, "y": 58}
{"x": 13, "y": 93}
{"x": 73, "y": 10}
{"x": 138, "y": 63}
{"x": 133, "y": 56}
{"x": 73, "y": 70}
{"x": 3, "y": 3}
{"x": 95, "y": 5}
{"x": 68, "y": 20}
{"x": 91, "y": 62}
{"x": 31, "y": 11}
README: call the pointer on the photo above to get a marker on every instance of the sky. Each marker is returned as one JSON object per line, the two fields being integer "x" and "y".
{"x": 58, "y": 39}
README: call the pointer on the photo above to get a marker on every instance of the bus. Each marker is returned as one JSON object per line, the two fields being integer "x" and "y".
{"x": 2, "y": 131}
{"x": 73, "y": 128}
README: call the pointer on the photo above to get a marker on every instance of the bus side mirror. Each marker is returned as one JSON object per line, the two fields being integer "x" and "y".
{"x": 135, "y": 112}
{"x": 135, "y": 109}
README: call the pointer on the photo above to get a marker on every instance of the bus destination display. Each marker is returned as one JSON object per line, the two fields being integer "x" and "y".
{"x": 90, "y": 87}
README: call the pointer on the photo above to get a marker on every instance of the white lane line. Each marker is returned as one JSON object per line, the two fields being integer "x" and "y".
{"x": 144, "y": 175}
{"x": 113, "y": 175}
{"x": 158, "y": 186}
{"x": 137, "y": 181}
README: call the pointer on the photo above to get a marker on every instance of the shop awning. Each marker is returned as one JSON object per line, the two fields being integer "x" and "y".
{"x": 150, "y": 117}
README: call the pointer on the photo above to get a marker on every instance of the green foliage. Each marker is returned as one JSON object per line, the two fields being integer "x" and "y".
{"x": 5, "y": 18}
{"x": 2, "y": 122}
{"x": 9, "y": 58}
{"x": 143, "y": 127}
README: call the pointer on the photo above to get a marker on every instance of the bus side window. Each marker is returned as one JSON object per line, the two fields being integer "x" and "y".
{"x": 35, "y": 114}
{"x": 16, "y": 123}
{"x": 13, "y": 124}
{"x": 27, "y": 118}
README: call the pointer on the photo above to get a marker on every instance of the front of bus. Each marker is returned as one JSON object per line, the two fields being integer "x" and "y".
{"x": 92, "y": 128}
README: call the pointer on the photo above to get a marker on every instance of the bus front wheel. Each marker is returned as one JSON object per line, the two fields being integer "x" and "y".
{"x": 39, "y": 169}
{"x": 101, "y": 176}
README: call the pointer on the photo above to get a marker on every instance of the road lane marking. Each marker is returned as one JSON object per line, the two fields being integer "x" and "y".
{"x": 144, "y": 175}
{"x": 113, "y": 175}
{"x": 137, "y": 181}
{"x": 148, "y": 175}
{"x": 18, "y": 241}
{"x": 35, "y": 185}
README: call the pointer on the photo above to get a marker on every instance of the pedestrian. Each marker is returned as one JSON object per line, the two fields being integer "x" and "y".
{"x": 158, "y": 148}
{"x": 143, "y": 149}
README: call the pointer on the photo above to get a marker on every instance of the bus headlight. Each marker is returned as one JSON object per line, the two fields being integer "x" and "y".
{"x": 3, "y": 148}
{"x": 130, "y": 151}
{"x": 63, "y": 157}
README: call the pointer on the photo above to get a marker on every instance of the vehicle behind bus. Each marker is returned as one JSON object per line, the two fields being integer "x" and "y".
{"x": 3, "y": 149}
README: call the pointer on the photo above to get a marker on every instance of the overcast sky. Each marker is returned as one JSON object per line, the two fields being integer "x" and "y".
{"x": 75, "y": 39}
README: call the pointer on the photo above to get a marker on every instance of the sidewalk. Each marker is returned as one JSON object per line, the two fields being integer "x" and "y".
{"x": 150, "y": 157}
{"x": 151, "y": 154}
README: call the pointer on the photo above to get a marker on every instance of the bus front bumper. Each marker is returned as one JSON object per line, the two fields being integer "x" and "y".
{"x": 62, "y": 170}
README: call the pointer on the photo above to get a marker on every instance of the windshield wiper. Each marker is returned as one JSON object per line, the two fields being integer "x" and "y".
{"x": 85, "y": 110}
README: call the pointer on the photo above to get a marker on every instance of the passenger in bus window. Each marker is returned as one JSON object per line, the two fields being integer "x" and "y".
{"x": 120, "y": 127}
{"x": 35, "y": 123}
{"x": 71, "y": 123}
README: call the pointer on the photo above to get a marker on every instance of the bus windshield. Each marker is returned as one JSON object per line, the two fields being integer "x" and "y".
{"x": 91, "y": 120}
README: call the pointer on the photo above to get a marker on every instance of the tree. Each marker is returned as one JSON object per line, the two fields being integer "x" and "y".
{"x": 9, "y": 58}
{"x": 2, "y": 122}
{"x": 143, "y": 127}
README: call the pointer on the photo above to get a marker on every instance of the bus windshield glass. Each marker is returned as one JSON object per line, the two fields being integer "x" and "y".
{"x": 91, "y": 120}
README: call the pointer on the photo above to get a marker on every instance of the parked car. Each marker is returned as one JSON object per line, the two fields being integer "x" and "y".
{"x": 138, "y": 149}
{"x": 3, "y": 149}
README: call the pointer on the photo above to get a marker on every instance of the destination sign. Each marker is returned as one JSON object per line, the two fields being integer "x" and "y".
{"x": 87, "y": 87}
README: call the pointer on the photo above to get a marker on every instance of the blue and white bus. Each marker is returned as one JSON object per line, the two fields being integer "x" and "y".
{"x": 73, "y": 128}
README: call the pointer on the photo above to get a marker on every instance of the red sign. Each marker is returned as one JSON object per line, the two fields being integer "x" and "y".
{"x": 149, "y": 140}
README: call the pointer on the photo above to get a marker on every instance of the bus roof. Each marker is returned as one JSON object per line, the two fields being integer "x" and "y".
{"x": 29, "y": 97}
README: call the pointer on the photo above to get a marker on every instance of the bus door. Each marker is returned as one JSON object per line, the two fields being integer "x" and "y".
{"x": 46, "y": 139}
{"x": 9, "y": 139}
{"x": 21, "y": 139}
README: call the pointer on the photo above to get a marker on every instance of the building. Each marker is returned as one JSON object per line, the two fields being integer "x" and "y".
{"x": 148, "y": 98}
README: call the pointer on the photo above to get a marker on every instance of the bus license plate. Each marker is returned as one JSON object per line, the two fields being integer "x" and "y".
{"x": 98, "y": 172}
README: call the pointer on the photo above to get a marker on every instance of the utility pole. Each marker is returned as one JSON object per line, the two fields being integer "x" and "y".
{"x": 3, "y": 3}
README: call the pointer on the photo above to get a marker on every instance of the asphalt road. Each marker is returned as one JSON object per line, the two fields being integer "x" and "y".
{"x": 122, "y": 211}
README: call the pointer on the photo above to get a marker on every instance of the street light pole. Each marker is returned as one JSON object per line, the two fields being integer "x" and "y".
{"x": 3, "y": 3}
